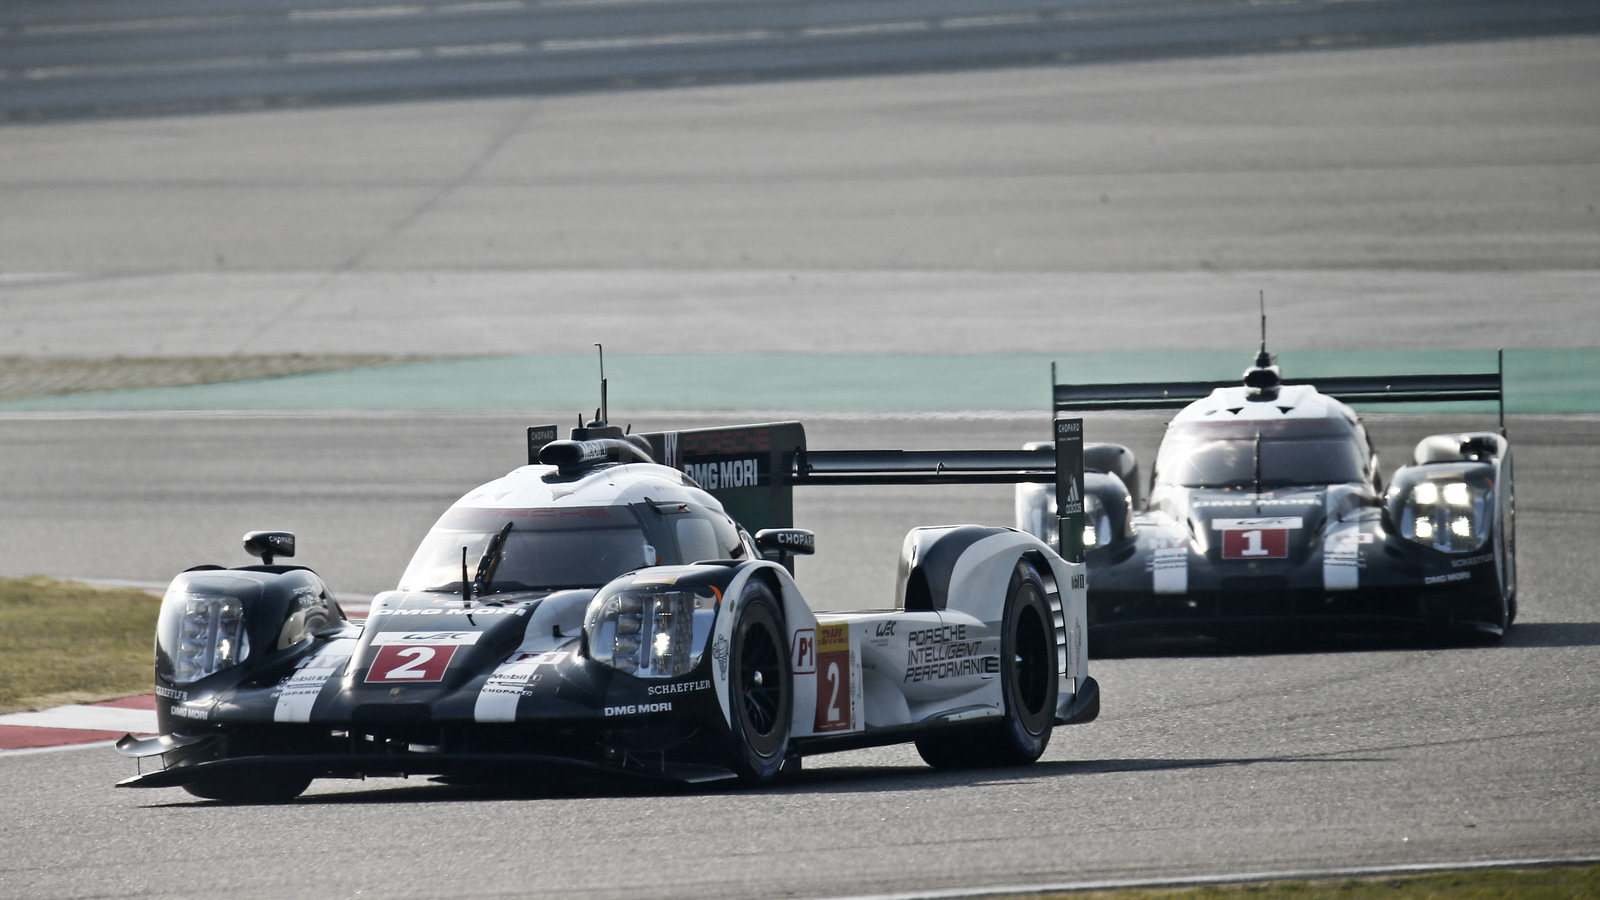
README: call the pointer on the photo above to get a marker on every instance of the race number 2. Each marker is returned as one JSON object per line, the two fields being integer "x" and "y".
{"x": 410, "y": 664}
{"x": 833, "y": 678}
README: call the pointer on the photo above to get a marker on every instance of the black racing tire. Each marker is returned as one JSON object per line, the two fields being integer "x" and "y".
{"x": 250, "y": 787}
{"x": 1029, "y": 683}
{"x": 760, "y": 687}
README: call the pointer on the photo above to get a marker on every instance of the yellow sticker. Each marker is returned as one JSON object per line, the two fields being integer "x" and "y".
{"x": 833, "y": 638}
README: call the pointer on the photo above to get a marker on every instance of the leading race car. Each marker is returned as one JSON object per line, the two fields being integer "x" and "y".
{"x": 599, "y": 609}
{"x": 1267, "y": 508}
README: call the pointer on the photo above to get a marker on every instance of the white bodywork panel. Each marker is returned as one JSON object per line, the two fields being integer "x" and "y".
{"x": 908, "y": 667}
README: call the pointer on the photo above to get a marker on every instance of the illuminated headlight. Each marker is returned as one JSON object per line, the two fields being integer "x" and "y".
{"x": 211, "y": 637}
{"x": 1096, "y": 524}
{"x": 1449, "y": 515}
{"x": 649, "y": 634}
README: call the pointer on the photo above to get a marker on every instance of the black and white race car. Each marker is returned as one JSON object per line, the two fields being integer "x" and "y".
{"x": 1267, "y": 508}
{"x": 599, "y": 609}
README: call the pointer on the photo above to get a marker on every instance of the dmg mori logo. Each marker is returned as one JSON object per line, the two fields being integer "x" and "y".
{"x": 715, "y": 475}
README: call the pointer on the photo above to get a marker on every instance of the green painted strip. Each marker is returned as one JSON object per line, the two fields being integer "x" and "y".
{"x": 1537, "y": 381}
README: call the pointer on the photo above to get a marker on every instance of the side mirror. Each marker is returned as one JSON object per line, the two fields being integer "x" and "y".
{"x": 779, "y": 544}
{"x": 269, "y": 544}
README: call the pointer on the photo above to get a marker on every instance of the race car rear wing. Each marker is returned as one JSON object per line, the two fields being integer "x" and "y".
{"x": 1348, "y": 389}
{"x": 753, "y": 469}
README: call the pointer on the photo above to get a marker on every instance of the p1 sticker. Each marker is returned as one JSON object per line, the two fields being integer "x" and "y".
{"x": 834, "y": 695}
{"x": 803, "y": 654}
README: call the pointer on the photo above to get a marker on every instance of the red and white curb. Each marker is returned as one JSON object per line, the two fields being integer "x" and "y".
{"x": 77, "y": 724}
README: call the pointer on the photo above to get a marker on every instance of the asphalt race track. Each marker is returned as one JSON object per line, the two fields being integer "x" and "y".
{"x": 1460, "y": 215}
{"x": 1386, "y": 754}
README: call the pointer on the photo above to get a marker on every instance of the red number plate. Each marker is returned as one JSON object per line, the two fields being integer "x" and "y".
{"x": 410, "y": 663}
{"x": 1255, "y": 543}
{"x": 833, "y": 678}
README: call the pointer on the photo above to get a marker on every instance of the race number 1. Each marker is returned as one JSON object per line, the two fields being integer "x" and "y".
{"x": 1255, "y": 543}
{"x": 833, "y": 678}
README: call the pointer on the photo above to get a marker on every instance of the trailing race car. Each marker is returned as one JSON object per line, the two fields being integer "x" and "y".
{"x": 598, "y": 609}
{"x": 1267, "y": 508}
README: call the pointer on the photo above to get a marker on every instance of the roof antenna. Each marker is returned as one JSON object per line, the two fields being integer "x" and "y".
{"x": 1264, "y": 378}
{"x": 605, "y": 413}
{"x": 1263, "y": 359}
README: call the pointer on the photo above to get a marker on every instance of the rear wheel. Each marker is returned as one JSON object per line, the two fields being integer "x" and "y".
{"x": 1029, "y": 684}
{"x": 250, "y": 787}
{"x": 760, "y": 692}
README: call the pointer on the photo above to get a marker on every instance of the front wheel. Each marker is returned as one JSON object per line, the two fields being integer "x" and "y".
{"x": 760, "y": 689}
{"x": 1029, "y": 683}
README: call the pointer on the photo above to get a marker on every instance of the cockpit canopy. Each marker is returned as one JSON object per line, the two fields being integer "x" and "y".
{"x": 568, "y": 547}
{"x": 1294, "y": 452}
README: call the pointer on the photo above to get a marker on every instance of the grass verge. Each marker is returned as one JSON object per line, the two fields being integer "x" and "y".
{"x": 1544, "y": 883}
{"x": 65, "y": 642}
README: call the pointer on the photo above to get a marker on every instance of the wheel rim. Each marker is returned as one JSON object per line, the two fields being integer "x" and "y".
{"x": 761, "y": 689}
{"x": 1032, "y": 660}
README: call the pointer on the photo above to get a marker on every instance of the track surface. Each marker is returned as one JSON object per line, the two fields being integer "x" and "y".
{"x": 1198, "y": 764}
{"x": 1471, "y": 167}
{"x": 1432, "y": 195}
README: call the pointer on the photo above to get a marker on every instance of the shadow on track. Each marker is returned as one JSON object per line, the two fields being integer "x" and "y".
{"x": 881, "y": 779}
{"x": 829, "y": 780}
{"x": 1286, "y": 641}
{"x": 1553, "y": 634}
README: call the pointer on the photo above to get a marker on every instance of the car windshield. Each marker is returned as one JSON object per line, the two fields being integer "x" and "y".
{"x": 1230, "y": 462}
{"x": 540, "y": 552}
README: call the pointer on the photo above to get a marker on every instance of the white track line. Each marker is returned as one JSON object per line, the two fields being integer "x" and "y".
{"x": 58, "y": 748}
{"x": 1230, "y": 878}
{"x": 86, "y": 718}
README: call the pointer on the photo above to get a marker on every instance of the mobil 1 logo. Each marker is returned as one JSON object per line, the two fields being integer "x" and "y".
{"x": 1069, "y": 488}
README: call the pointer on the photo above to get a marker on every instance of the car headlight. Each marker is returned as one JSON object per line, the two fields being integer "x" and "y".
{"x": 1096, "y": 524}
{"x": 649, "y": 633}
{"x": 1449, "y": 514}
{"x": 211, "y": 636}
